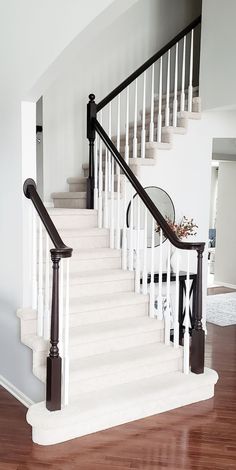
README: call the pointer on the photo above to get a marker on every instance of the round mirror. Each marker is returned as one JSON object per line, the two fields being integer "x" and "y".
{"x": 164, "y": 204}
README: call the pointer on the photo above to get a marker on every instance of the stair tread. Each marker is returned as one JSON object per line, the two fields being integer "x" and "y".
{"x": 100, "y": 275}
{"x": 82, "y": 232}
{"x": 144, "y": 394}
{"x": 116, "y": 361}
{"x": 108, "y": 301}
{"x": 54, "y": 211}
{"x": 89, "y": 333}
{"x": 95, "y": 253}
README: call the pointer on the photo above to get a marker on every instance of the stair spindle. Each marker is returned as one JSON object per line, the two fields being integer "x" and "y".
{"x": 144, "y": 276}
{"x": 131, "y": 231}
{"x": 135, "y": 140}
{"x": 159, "y": 123}
{"x": 167, "y": 310}
{"x": 167, "y": 110}
{"x": 190, "y": 87}
{"x": 152, "y": 285}
{"x": 143, "y": 133}
{"x": 40, "y": 282}
{"x": 151, "y": 128}
{"x": 118, "y": 177}
{"x": 137, "y": 266}
{"x": 96, "y": 174}
{"x": 100, "y": 186}
{"x": 176, "y": 311}
{"x": 160, "y": 307}
{"x": 182, "y": 99}
{"x": 175, "y": 100}
{"x": 66, "y": 370}
{"x": 186, "y": 321}
{"x": 127, "y": 127}
{"x": 34, "y": 260}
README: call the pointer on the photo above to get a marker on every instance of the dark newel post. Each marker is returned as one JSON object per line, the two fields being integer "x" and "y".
{"x": 198, "y": 334}
{"x": 91, "y": 114}
{"x": 53, "y": 384}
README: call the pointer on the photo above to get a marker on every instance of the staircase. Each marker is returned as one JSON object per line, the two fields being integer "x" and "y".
{"x": 115, "y": 354}
{"x": 120, "y": 369}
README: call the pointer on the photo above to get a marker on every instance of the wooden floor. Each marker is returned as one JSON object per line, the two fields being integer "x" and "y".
{"x": 200, "y": 436}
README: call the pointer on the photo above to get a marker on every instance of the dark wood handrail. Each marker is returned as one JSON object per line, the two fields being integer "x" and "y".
{"x": 160, "y": 220}
{"x": 30, "y": 191}
{"x": 147, "y": 64}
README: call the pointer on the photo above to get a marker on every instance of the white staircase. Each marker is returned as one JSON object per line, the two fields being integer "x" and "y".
{"x": 120, "y": 369}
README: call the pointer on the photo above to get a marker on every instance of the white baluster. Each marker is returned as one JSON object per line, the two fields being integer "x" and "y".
{"x": 190, "y": 88}
{"x": 66, "y": 335}
{"x": 152, "y": 285}
{"x": 109, "y": 154}
{"x": 144, "y": 276}
{"x": 186, "y": 323}
{"x": 160, "y": 308}
{"x": 96, "y": 174}
{"x": 112, "y": 221}
{"x": 176, "y": 312}
{"x": 182, "y": 99}
{"x": 159, "y": 124}
{"x": 167, "y": 110}
{"x": 40, "y": 282}
{"x": 137, "y": 267}
{"x": 151, "y": 128}
{"x": 167, "y": 311}
{"x": 100, "y": 185}
{"x": 127, "y": 128}
{"x": 131, "y": 232}
{"x": 124, "y": 232}
{"x": 34, "y": 260}
{"x": 106, "y": 182}
{"x": 118, "y": 177}
{"x": 175, "y": 101}
{"x": 143, "y": 134}
{"x": 135, "y": 141}
{"x": 46, "y": 332}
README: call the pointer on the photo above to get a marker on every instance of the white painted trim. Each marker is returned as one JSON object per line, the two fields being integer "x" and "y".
{"x": 20, "y": 396}
{"x": 225, "y": 284}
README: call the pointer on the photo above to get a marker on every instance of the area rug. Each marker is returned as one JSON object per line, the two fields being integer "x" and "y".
{"x": 221, "y": 309}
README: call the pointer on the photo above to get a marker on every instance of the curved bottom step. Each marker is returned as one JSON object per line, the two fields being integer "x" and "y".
{"x": 118, "y": 405}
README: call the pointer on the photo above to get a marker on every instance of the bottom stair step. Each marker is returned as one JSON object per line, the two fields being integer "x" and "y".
{"x": 104, "y": 409}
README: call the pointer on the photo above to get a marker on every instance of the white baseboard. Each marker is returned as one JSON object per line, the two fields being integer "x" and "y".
{"x": 26, "y": 401}
{"x": 225, "y": 284}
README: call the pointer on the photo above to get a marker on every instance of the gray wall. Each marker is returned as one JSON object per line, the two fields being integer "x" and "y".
{"x": 218, "y": 65}
{"x": 116, "y": 52}
{"x": 225, "y": 261}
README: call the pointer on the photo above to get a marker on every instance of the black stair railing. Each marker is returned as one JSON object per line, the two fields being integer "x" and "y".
{"x": 54, "y": 362}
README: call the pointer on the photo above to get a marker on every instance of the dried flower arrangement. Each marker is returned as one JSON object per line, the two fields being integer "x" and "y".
{"x": 183, "y": 229}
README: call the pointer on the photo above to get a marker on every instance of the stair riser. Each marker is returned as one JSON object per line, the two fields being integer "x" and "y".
{"x": 93, "y": 316}
{"x": 104, "y": 345}
{"x": 87, "y": 242}
{"x": 93, "y": 264}
{"x": 75, "y": 222}
{"x": 80, "y": 187}
{"x": 116, "y": 313}
{"x": 99, "y": 288}
{"x": 70, "y": 203}
{"x": 116, "y": 344}
{"x": 126, "y": 376}
{"x": 110, "y": 378}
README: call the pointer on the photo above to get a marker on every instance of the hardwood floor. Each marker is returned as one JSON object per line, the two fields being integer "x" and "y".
{"x": 219, "y": 290}
{"x": 200, "y": 436}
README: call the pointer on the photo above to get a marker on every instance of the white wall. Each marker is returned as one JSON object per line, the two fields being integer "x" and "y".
{"x": 213, "y": 197}
{"x": 33, "y": 34}
{"x": 108, "y": 59}
{"x": 185, "y": 173}
{"x": 218, "y": 66}
{"x": 225, "y": 257}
